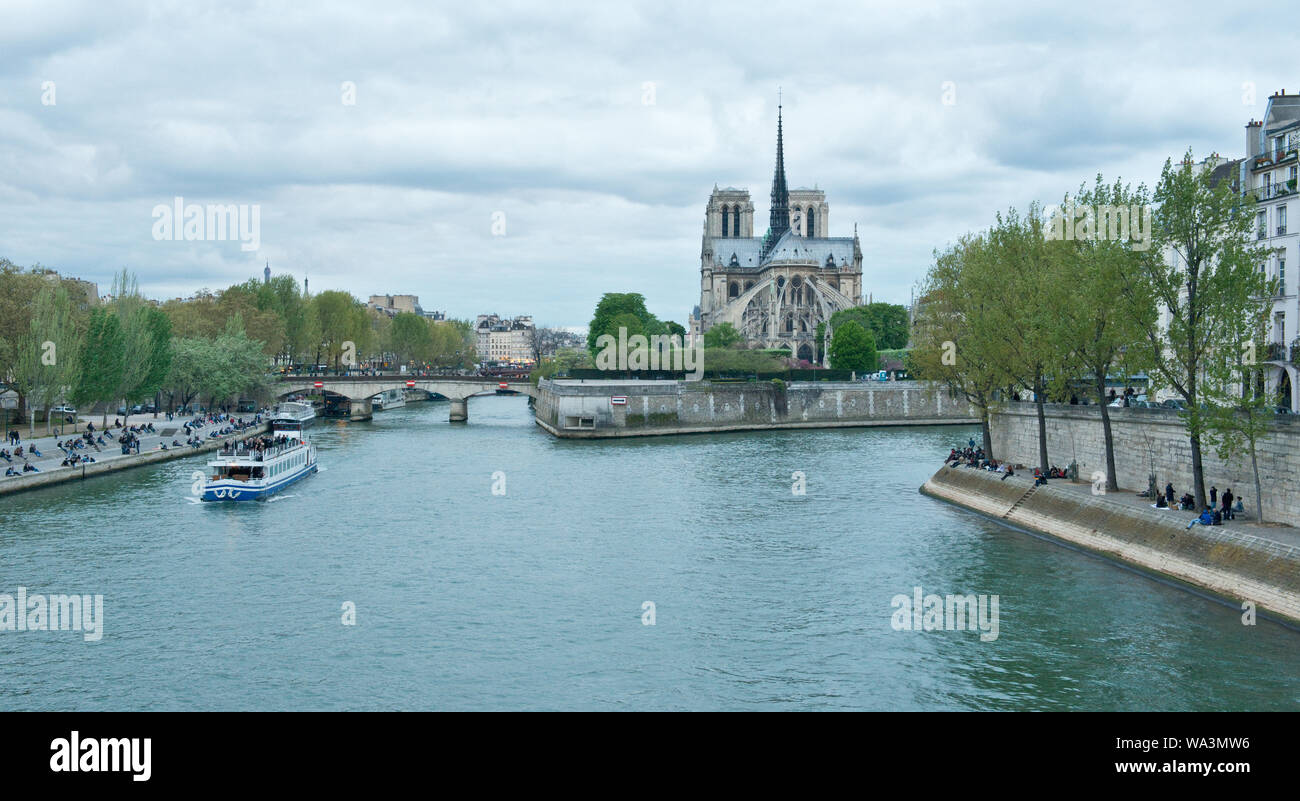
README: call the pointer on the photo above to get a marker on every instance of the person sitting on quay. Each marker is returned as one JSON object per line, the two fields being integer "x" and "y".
{"x": 28, "y": 467}
{"x": 18, "y": 451}
{"x": 1206, "y": 519}
{"x": 4, "y": 454}
{"x": 1009, "y": 472}
{"x": 1187, "y": 502}
{"x": 11, "y": 472}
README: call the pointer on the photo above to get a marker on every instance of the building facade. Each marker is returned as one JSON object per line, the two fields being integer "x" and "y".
{"x": 775, "y": 288}
{"x": 1268, "y": 176}
{"x": 504, "y": 341}
{"x": 392, "y": 305}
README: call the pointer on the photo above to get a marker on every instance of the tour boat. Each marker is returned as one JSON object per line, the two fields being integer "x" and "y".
{"x": 259, "y": 467}
{"x": 388, "y": 399}
{"x": 292, "y": 416}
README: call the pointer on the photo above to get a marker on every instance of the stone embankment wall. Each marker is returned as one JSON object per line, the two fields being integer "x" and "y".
{"x": 1153, "y": 441}
{"x": 592, "y": 409}
{"x": 1226, "y": 561}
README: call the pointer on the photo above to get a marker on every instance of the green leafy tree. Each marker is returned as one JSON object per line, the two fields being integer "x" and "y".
{"x": 410, "y": 337}
{"x": 102, "y": 363}
{"x": 1027, "y": 289}
{"x": 339, "y": 322}
{"x": 615, "y": 309}
{"x": 1204, "y": 290}
{"x": 722, "y": 335}
{"x": 1097, "y": 333}
{"x": 853, "y": 348}
{"x": 45, "y": 358}
{"x": 954, "y": 341}
{"x": 1235, "y": 429}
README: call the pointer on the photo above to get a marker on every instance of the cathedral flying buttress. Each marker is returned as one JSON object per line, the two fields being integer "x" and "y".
{"x": 775, "y": 289}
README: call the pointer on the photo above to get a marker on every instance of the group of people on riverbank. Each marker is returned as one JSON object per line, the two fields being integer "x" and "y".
{"x": 974, "y": 456}
{"x": 76, "y": 450}
{"x": 1220, "y": 508}
{"x": 19, "y": 453}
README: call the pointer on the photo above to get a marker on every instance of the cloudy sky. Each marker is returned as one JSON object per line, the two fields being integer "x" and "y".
{"x": 527, "y": 157}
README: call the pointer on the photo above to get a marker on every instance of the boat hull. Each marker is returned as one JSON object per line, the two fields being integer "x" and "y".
{"x": 228, "y": 490}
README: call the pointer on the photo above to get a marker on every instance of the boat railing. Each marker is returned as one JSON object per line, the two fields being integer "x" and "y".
{"x": 247, "y": 449}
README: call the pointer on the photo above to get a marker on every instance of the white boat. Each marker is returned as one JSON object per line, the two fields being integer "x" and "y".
{"x": 259, "y": 467}
{"x": 388, "y": 399}
{"x": 291, "y": 416}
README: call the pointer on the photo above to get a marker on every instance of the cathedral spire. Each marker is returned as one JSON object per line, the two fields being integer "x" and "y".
{"x": 779, "y": 219}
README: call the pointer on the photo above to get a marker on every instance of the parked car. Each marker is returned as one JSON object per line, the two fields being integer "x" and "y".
{"x": 1175, "y": 403}
{"x": 68, "y": 412}
{"x": 1132, "y": 401}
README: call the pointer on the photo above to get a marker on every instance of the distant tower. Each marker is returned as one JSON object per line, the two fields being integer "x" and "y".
{"x": 306, "y": 292}
{"x": 266, "y": 274}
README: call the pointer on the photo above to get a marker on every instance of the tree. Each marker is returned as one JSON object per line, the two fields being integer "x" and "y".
{"x": 410, "y": 337}
{"x": 615, "y": 306}
{"x": 1027, "y": 290}
{"x": 146, "y": 333}
{"x": 45, "y": 358}
{"x": 722, "y": 335}
{"x": 339, "y": 323}
{"x": 1203, "y": 275}
{"x": 1097, "y": 333}
{"x": 1235, "y": 429}
{"x": 954, "y": 342}
{"x": 195, "y": 363}
{"x": 18, "y": 291}
{"x": 102, "y": 362}
{"x": 887, "y": 322}
{"x": 853, "y": 348}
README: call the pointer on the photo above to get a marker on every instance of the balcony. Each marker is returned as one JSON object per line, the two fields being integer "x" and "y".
{"x": 1276, "y": 157}
{"x": 1277, "y": 352}
{"x": 1259, "y": 193}
{"x": 1281, "y": 230}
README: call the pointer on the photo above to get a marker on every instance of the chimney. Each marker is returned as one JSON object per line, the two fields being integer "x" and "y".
{"x": 1253, "y": 129}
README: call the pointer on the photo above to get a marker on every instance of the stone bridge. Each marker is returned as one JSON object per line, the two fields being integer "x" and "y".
{"x": 360, "y": 389}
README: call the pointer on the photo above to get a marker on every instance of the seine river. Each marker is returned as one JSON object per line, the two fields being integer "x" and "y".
{"x": 537, "y": 598}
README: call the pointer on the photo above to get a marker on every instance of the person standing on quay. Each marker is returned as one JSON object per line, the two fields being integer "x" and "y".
{"x": 1214, "y": 496}
{"x": 1227, "y": 503}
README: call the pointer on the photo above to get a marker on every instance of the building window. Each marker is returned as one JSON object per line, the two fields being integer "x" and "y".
{"x": 1281, "y": 275}
{"x": 726, "y": 218}
{"x": 733, "y": 289}
{"x": 1281, "y": 219}
{"x": 811, "y": 222}
{"x": 735, "y": 221}
{"x": 1261, "y": 224}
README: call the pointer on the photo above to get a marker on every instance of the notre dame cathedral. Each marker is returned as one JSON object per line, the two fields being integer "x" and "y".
{"x": 776, "y": 288}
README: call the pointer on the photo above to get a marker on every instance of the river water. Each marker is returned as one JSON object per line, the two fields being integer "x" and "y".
{"x": 535, "y": 598}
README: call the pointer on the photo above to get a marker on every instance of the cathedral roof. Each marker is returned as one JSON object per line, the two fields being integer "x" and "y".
{"x": 789, "y": 247}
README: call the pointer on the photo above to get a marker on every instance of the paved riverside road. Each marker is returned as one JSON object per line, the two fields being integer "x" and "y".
{"x": 51, "y": 457}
